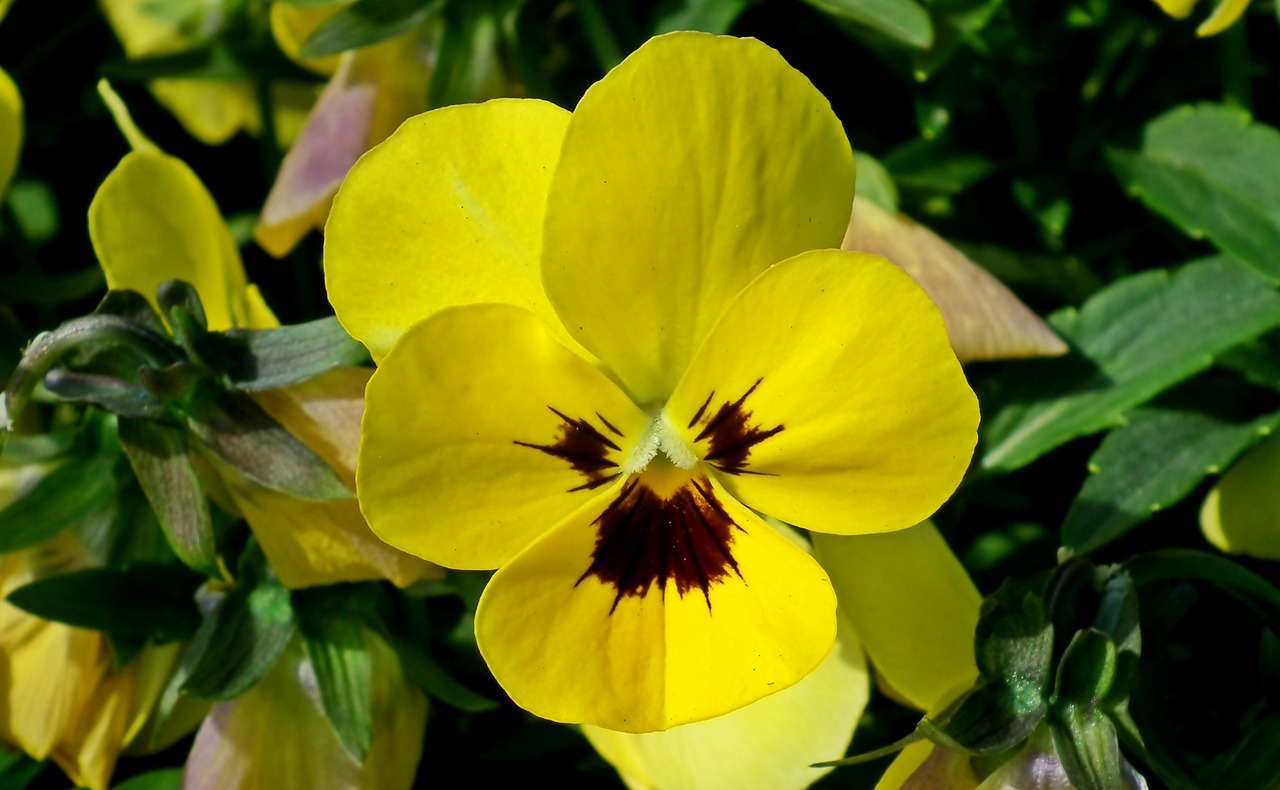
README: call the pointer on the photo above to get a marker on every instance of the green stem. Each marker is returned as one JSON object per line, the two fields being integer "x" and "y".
{"x": 1237, "y": 84}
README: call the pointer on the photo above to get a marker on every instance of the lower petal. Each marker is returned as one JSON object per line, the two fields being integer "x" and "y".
{"x": 912, "y": 604}
{"x": 660, "y": 603}
{"x": 770, "y": 743}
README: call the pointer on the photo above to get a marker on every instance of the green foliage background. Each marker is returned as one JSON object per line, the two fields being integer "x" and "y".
{"x": 1084, "y": 152}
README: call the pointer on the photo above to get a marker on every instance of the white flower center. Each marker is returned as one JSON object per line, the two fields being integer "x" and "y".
{"x": 659, "y": 435}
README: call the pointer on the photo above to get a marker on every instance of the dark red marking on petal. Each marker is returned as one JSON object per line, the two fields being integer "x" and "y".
{"x": 645, "y": 539}
{"x": 584, "y": 447}
{"x": 701, "y": 410}
{"x": 731, "y": 435}
{"x": 609, "y": 425}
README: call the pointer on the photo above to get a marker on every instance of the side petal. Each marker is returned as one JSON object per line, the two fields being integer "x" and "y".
{"x": 828, "y": 397}
{"x": 770, "y": 743}
{"x": 1224, "y": 15}
{"x": 911, "y": 603}
{"x": 276, "y": 734}
{"x": 1241, "y": 515}
{"x": 984, "y": 319}
{"x": 447, "y": 211}
{"x": 686, "y": 171}
{"x": 661, "y": 603}
{"x": 10, "y": 129}
{"x": 152, "y": 220}
{"x": 481, "y": 431}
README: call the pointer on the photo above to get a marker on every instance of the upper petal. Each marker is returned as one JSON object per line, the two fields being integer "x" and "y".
{"x": 481, "y": 431}
{"x": 152, "y": 221}
{"x": 660, "y": 603}
{"x": 447, "y": 211}
{"x": 828, "y": 397}
{"x": 687, "y": 170}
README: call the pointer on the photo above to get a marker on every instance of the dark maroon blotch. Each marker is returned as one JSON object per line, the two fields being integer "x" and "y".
{"x": 644, "y": 539}
{"x": 584, "y": 447}
{"x": 731, "y": 435}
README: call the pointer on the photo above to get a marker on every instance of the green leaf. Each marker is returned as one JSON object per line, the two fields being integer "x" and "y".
{"x": 1214, "y": 173}
{"x": 1132, "y": 341}
{"x": 264, "y": 359}
{"x": 344, "y": 676}
{"x": 158, "y": 454}
{"x": 709, "y": 16}
{"x": 240, "y": 433}
{"x": 163, "y": 779}
{"x": 154, "y": 601}
{"x": 366, "y": 22}
{"x": 80, "y": 490}
{"x": 1156, "y": 458}
{"x": 240, "y": 641}
{"x": 17, "y": 770}
{"x": 1252, "y": 763}
{"x": 936, "y": 167}
{"x": 875, "y": 184}
{"x": 427, "y": 675}
{"x": 468, "y": 62}
{"x": 903, "y": 20}
{"x": 954, "y": 23}
{"x": 1252, "y": 590}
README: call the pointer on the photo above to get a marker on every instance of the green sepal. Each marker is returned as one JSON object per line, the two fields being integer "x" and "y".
{"x": 182, "y": 307}
{"x": 241, "y": 434}
{"x": 986, "y": 720}
{"x": 112, "y": 394}
{"x": 82, "y": 489}
{"x": 335, "y": 643}
{"x": 153, "y": 601}
{"x": 1082, "y": 734}
{"x": 366, "y": 22}
{"x": 264, "y": 359}
{"x": 1014, "y": 640}
{"x": 158, "y": 454}
{"x": 133, "y": 306}
{"x": 241, "y": 639}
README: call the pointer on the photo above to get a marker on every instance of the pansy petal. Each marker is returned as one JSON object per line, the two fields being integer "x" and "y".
{"x": 333, "y": 138}
{"x": 457, "y": 197}
{"x": 661, "y": 603}
{"x": 923, "y": 766}
{"x": 984, "y": 319}
{"x": 1241, "y": 515}
{"x": 772, "y": 742}
{"x": 686, "y": 171}
{"x": 152, "y": 220}
{"x": 828, "y": 397}
{"x": 1224, "y": 15}
{"x": 911, "y": 603}
{"x": 10, "y": 129}
{"x": 481, "y": 432}
{"x": 276, "y": 735}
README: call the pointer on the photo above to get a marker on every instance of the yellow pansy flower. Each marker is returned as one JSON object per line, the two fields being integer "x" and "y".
{"x": 10, "y": 129}
{"x": 61, "y": 697}
{"x": 152, "y": 220}
{"x": 1241, "y": 515}
{"x": 1224, "y": 14}
{"x": 276, "y": 735}
{"x": 371, "y": 90}
{"x": 211, "y": 110}
{"x": 637, "y": 334}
